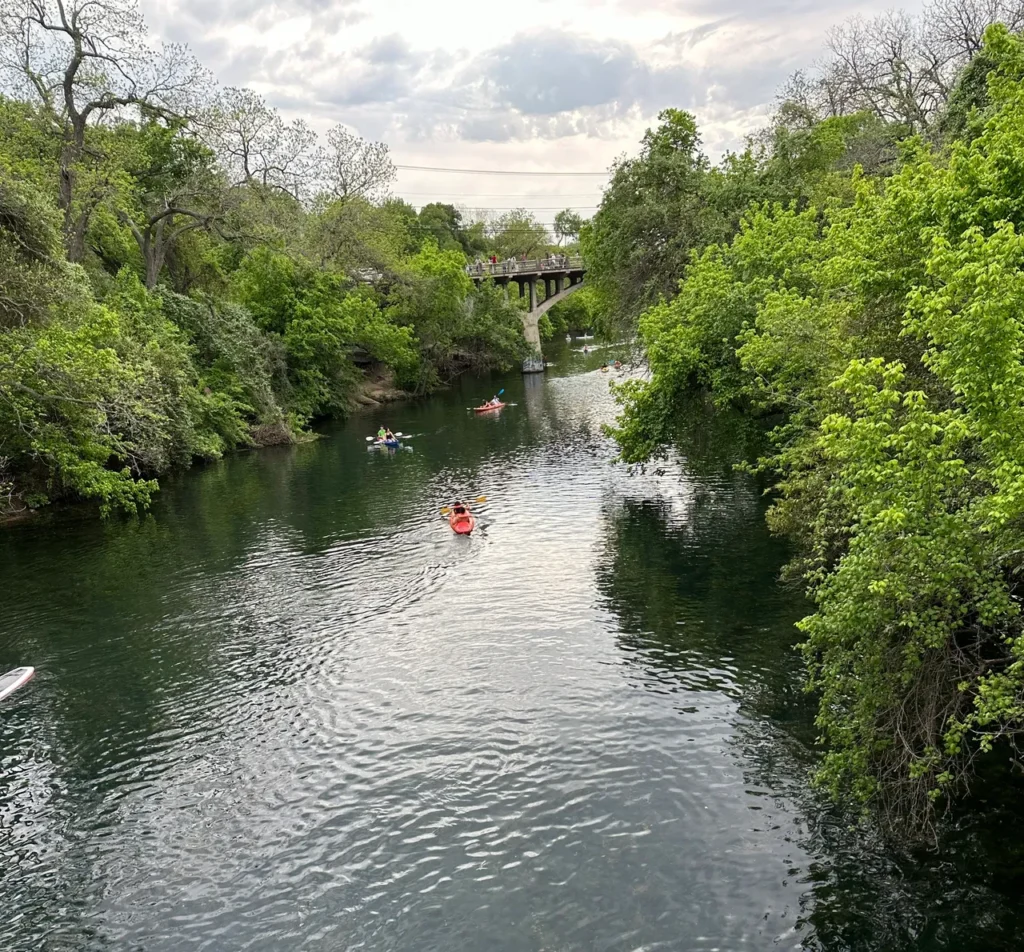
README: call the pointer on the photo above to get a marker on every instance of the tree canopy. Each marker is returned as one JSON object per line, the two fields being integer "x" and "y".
{"x": 858, "y": 273}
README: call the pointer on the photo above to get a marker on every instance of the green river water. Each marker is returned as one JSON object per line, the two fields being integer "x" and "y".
{"x": 290, "y": 710}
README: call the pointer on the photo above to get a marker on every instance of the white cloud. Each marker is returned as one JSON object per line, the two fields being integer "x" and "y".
{"x": 539, "y": 84}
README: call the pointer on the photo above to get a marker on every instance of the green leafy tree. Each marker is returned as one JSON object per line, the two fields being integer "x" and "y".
{"x": 568, "y": 225}
{"x": 887, "y": 330}
{"x": 83, "y": 62}
{"x": 177, "y": 189}
{"x": 442, "y": 223}
{"x": 516, "y": 233}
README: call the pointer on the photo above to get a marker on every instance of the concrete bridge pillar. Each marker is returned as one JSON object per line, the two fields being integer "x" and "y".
{"x": 533, "y": 294}
{"x": 531, "y": 331}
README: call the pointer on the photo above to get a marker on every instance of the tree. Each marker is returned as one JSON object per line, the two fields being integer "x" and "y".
{"x": 85, "y": 61}
{"x": 457, "y": 326}
{"x": 443, "y": 223}
{"x": 257, "y": 148}
{"x": 959, "y": 25}
{"x": 653, "y": 215}
{"x": 356, "y": 168}
{"x": 178, "y": 190}
{"x": 516, "y": 233}
{"x": 34, "y": 277}
{"x": 568, "y": 225}
{"x": 357, "y": 235}
{"x": 887, "y": 331}
{"x": 887, "y": 65}
{"x": 899, "y": 67}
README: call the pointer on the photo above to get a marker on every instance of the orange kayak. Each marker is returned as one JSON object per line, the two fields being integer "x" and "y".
{"x": 488, "y": 406}
{"x": 462, "y": 523}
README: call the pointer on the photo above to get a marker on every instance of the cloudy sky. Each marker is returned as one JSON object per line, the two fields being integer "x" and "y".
{"x": 537, "y": 85}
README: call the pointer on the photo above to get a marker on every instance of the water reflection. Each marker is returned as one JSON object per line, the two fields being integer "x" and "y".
{"x": 691, "y": 578}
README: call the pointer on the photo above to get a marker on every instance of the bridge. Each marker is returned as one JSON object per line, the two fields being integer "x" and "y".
{"x": 561, "y": 274}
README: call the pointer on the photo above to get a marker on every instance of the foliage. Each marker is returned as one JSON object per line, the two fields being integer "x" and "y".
{"x": 516, "y": 233}
{"x": 568, "y": 224}
{"x": 81, "y": 62}
{"x": 654, "y": 214}
{"x": 320, "y": 320}
{"x": 34, "y": 277}
{"x": 445, "y": 225}
{"x": 182, "y": 272}
{"x": 356, "y": 168}
{"x": 885, "y": 325}
{"x": 257, "y": 148}
{"x": 456, "y": 326}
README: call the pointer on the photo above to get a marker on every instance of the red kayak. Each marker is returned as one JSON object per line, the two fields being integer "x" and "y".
{"x": 462, "y": 523}
{"x": 488, "y": 406}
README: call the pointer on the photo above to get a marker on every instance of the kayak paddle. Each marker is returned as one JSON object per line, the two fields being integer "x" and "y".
{"x": 447, "y": 509}
{"x": 498, "y": 394}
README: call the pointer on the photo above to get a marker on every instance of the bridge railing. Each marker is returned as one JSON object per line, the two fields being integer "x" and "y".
{"x": 528, "y": 266}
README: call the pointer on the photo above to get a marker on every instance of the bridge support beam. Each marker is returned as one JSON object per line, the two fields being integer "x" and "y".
{"x": 531, "y": 331}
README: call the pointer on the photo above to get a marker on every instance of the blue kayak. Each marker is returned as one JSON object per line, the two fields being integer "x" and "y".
{"x": 390, "y": 444}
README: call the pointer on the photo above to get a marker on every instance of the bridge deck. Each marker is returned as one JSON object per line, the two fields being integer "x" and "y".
{"x": 530, "y": 268}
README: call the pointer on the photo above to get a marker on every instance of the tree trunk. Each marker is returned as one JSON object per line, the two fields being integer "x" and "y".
{"x": 154, "y": 250}
{"x": 72, "y": 246}
{"x": 75, "y": 225}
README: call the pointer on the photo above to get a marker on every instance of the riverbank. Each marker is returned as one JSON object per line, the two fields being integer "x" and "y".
{"x": 376, "y": 388}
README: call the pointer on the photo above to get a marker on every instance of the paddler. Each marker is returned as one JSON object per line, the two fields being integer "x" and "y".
{"x": 382, "y": 434}
{"x": 494, "y": 401}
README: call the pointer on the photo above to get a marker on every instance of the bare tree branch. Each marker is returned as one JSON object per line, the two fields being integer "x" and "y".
{"x": 357, "y": 168}
{"x": 257, "y": 148}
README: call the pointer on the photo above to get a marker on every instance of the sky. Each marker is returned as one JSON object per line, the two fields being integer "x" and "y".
{"x": 525, "y": 85}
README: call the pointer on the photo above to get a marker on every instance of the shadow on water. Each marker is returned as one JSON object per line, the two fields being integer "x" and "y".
{"x": 693, "y": 584}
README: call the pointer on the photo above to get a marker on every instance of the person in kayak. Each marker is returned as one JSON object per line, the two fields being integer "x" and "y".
{"x": 382, "y": 433}
{"x": 458, "y": 508}
{"x": 494, "y": 401}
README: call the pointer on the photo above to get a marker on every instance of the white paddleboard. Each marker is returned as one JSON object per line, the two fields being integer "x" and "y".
{"x": 10, "y": 682}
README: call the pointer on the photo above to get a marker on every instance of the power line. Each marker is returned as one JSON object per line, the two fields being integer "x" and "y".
{"x": 513, "y": 208}
{"x": 431, "y": 168}
{"x": 463, "y": 198}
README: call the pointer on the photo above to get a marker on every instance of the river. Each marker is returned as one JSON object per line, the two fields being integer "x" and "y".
{"x": 290, "y": 710}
